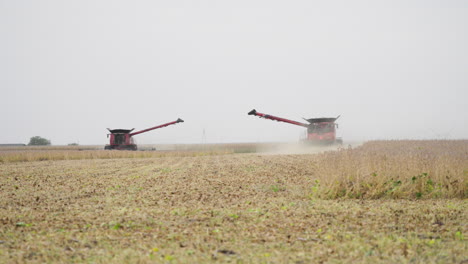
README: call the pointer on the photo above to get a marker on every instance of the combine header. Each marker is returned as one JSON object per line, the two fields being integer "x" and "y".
{"x": 319, "y": 130}
{"x": 122, "y": 139}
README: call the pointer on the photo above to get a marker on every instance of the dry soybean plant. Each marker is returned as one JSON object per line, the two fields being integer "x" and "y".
{"x": 394, "y": 169}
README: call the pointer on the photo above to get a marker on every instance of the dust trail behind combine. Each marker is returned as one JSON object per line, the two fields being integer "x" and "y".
{"x": 299, "y": 148}
{"x": 264, "y": 148}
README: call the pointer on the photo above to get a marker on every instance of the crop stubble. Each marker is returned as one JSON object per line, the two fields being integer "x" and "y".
{"x": 241, "y": 207}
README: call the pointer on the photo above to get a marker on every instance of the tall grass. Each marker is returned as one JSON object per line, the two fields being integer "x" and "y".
{"x": 394, "y": 169}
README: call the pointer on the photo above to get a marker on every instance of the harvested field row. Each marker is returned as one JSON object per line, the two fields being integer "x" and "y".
{"x": 28, "y": 156}
{"x": 44, "y": 153}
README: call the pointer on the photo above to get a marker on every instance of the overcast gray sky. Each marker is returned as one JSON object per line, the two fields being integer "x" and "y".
{"x": 391, "y": 69}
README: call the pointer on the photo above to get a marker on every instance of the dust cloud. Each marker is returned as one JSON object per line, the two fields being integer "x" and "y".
{"x": 303, "y": 148}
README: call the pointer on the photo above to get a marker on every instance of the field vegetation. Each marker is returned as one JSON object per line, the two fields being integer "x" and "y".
{"x": 76, "y": 152}
{"x": 384, "y": 201}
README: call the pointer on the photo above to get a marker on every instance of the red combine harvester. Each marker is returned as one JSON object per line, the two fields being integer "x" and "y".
{"x": 122, "y": 139}
{"x": 319, "y": 130}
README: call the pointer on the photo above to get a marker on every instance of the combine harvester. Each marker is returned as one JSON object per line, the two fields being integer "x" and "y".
{"x": 320, "y": 131}
{"x": 122, "y": 139}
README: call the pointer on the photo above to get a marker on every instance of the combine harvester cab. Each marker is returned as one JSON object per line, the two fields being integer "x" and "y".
{"x": 323, "y": 131}
{"x": 122, "y": 139}
{"x": 320, "y": 131}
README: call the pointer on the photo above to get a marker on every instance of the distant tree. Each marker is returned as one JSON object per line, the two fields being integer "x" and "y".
{"x": 38, "y": 141}
{"x": 73, "y": 144}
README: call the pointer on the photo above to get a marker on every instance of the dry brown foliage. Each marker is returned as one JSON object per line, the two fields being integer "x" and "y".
{"x": 394, "y": 169}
